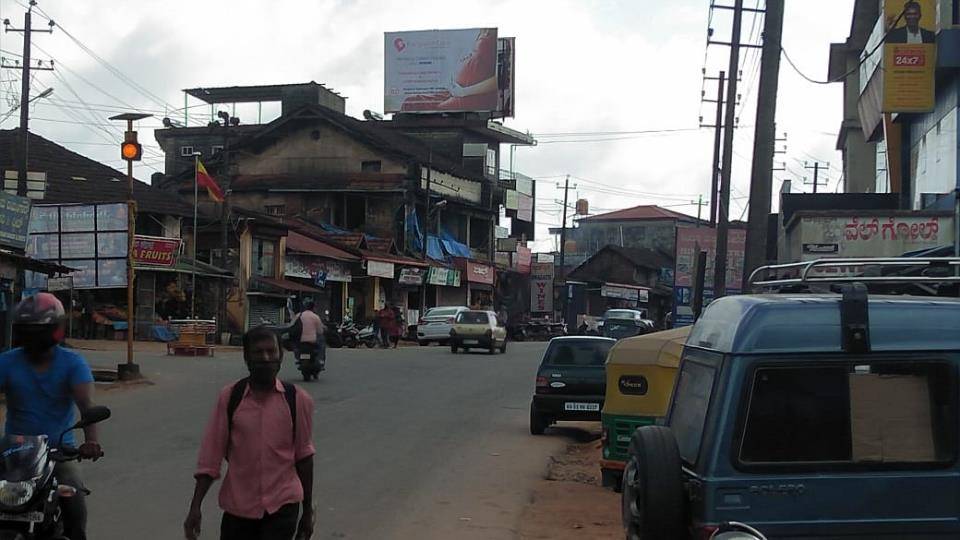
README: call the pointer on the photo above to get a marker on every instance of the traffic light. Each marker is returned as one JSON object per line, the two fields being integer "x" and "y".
{"x": 130, "y": 149}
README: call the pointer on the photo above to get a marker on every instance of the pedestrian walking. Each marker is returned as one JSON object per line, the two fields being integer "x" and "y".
{"x": 386, "y": 320}
{"x": 264, "y": 426}
{"x": 396, "y": 329}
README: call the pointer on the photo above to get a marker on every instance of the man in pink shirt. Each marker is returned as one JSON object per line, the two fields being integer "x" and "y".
{"x": 263, "y": 428}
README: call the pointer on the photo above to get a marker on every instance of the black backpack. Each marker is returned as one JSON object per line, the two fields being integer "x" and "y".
{"x": 236, "y": 396}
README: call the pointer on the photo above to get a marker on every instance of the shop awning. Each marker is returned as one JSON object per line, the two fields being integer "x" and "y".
{"x": 188, "y": 266}
{"x": 304, "y": 244}
{"x": 34, "y": 265}
{"x": 391, "y": 258}
{"x": 283, "y": 284}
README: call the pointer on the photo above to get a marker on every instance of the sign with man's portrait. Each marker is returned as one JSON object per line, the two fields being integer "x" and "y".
{"x": 909, "y": 55}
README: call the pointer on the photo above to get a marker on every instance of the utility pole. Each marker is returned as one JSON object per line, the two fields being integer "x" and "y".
{"x": 816, "y": 173}
{"x": 700, "y": 204}
{"x": 715, "y": 163}
{"x": 723, "y": 207}
{"x": 765, "y": 139}
{"x": 23, "y": 135}
{"x": 563, "y": 248}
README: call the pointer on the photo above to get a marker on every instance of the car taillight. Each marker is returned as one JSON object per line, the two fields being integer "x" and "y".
{"x": 704, "y": 532}
{"x": 542, "y": 382}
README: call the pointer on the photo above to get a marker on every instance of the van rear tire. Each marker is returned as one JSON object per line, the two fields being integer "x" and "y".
{"x": 653, "y": 500}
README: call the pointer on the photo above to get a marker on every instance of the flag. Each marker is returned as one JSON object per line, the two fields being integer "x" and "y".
{"x": 207, "y": 182}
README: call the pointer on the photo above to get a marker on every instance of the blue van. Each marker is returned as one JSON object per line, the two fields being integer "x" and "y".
{"x": 807, "y": 416}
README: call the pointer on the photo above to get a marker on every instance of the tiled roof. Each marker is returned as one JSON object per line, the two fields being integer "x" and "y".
{"x": 642, "y": 212}
{"x": 304, "y": 244}
{"x": 73, "y": 178}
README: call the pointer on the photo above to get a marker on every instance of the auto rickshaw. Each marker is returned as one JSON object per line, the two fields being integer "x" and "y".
{"x": 640, "y": 374}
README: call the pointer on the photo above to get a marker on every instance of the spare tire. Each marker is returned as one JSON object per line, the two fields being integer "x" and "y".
{"x": 653, "y": 500}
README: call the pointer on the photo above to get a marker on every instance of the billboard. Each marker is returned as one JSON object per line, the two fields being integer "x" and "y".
{"x": 14, "y": 218}
{"x": 691, "y": 241}
{"x": 506, "y": 76}
{"x": 90, "y": 238}
{"x": 434, "y": 71}
{"x": 909, "y": 56}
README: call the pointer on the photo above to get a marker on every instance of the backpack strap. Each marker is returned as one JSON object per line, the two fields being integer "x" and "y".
{"x": 290, "y": 393}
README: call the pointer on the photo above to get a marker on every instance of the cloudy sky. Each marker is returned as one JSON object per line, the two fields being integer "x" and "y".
{"x": 590, "y": 76}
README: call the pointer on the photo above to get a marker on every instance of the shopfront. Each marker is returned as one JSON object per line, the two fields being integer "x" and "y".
{"x": 445, "y": 287}
{"x": 480, "y": 281}
{"x": 332, "y": 279}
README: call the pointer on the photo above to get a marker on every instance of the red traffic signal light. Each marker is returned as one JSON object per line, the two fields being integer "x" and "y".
{"x": 130, "y": 149}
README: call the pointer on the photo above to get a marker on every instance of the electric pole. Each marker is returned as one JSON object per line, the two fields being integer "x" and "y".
{"x": 23, "y": 135}
{"x": 816, "y": 173}
{"x": 765, "y": 139}
{"x": 563, "y": 248}
{"x": 723, "y": 207}
{"x": 700, "y": 204}
{"x": 717, "y": 132}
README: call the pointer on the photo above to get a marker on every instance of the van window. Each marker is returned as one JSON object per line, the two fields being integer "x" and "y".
{"x": 578, "y": 353}
{"x": 472, "y": 317}
{"x": 883, "y": 413}
{"x": 694, "y": 387}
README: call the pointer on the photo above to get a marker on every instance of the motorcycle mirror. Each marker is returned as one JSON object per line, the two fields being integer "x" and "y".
{"x": 92, "y": 415}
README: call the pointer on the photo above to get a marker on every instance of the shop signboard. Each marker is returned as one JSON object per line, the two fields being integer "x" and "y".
{"x": 155, "y": 251}
{"x": 525, "y": 207}
{"x": 512, "y": 200}
{"x": 541, "y": 295}
{"x": 689, "y": 242}
{"x": 542, "y": 269}
{"x": 61, "y": 283}
{"x": 434, "y": 71}
{"x": 411, "y": 276}
{"x": 14, "y": 220}
{"x": 523, "y": 257}
{"x": 309, "y": 268}
{"x": 545, "y": 258}
{"x": 446, "y": 277}
{"x": 625, "y": 293}
{"x": 380, "y": 269}
{"x": 480, "y": 273}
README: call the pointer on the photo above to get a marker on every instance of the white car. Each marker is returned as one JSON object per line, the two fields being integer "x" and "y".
{"x": 436, "y": 323}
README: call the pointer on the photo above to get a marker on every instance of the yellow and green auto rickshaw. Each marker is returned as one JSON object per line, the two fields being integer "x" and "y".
{"x": 640, "y": 374}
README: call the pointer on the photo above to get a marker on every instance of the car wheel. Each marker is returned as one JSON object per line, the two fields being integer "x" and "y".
{"x": 653, "y": 499}
{"x": 444, "y": 342}
{"x": 423, "y": 343}
{"x": 610, "y": 478}
{"x": 503, "y": 347}
{"x": 538, "y": 423}
{"x": 453, "y": 348}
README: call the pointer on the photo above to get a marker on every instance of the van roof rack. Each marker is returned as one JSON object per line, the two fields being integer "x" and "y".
{"x": 938, "y": 270}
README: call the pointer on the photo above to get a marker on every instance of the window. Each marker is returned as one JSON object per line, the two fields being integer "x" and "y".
{"x": 491, "y": 162}
{"x": 275, "y": 209}
{"x": 692, "y": 398}
{"x": 186, "y": 151}
{"x": 370, "y": 166}
{"x": 264, "y": 257}
{"x": 216, "y": 149}
{"x": 473, "y": 317}
{"x": 578, "y": 353}
{"x": 851, "y": 414}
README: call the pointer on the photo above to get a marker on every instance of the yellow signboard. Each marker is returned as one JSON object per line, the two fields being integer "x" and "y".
{"x": 909, "y": 56}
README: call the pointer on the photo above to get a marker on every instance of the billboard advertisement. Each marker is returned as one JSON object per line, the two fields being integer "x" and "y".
{"x": 14, "y": 217}
{"x": 691, "y": 241}
{"x": 506, "y": 76}
{"x": 909, "y": 56}
{"x": 434, "y": 71}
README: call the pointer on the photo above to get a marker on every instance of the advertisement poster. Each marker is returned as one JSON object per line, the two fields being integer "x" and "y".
{"x": 524, "y": 207}
{"x": 433, "y": 71}
{"x": 155, "y": 251}
{"x": 909, "y": 56}
{"x": 480, "y": 273}
{"x": 14, "y": 220}
{"x": 524, "y": 257}
{"x": 689, "y": 242}
{"x": 309, "y": 268}
{"x": 541, "y": 295}
{"x": 412, "y": 276}
{"x": 447, "y": 277}
{"x": 380, "y": 269}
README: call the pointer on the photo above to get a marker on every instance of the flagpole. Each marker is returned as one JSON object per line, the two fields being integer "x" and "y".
{"x": 193, "y": 272}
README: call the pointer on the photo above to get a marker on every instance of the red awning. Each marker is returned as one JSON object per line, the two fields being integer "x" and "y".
{"x": 304, "y": 244}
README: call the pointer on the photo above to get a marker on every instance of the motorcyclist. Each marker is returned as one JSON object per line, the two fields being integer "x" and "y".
{"x": 43, "y": 383}
{"x": 312, "y": 332}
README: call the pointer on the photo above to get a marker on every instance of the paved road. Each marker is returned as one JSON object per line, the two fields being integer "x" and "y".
{"x": 412, "y": 443}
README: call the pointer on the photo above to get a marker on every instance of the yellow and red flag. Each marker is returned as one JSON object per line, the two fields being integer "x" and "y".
{"x": 207, "y": 182}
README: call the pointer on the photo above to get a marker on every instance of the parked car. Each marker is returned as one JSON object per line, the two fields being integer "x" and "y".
{"x": 624, "y": 323}
{"x": 641, "y": 372}
{"x": 478, "y": 330}
{"x": 436, "y": 323}
{"x": 570, "y": 381}
{"x": 809, "y": 416}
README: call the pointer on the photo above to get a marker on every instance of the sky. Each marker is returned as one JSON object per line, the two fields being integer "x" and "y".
{"x": 592, "y": 76}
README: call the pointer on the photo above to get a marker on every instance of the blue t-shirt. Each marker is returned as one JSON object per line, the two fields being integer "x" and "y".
{"x": 42, "y": 403}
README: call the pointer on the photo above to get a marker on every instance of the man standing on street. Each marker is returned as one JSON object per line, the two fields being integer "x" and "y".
{"x": 42, "y": 382}
{"x": 263, "y": 427}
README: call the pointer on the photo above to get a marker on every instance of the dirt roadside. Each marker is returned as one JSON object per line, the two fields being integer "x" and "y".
{"x": 569, "y": 503}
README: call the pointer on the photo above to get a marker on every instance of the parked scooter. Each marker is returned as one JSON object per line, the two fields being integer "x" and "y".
{"x": 29, "y": 490}
{"x": 349, "y": 333}
{"x": 736, "y": 531}
{"x": 369, "y": 337}
{"x": 311, "y": 360}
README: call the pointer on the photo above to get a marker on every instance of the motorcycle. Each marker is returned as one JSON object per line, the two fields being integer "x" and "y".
{"x": 348, "y": 332}
{"x": 311, "y": 360}
{"x": 736, "y": 531}
{"x": 369, "y": 337}
{"x": 29, "y": 490}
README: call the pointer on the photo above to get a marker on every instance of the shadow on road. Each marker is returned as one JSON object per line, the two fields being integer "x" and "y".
{"x": 583, "y": 433}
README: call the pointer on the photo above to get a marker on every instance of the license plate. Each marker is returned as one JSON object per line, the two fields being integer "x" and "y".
{"x": 470, "y": 342}
{"x": 581, "y": 406}
{"x": 27, "y": 517}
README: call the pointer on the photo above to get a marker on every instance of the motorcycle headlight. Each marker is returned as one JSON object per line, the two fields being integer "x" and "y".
{"x": 13, "y": 494}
